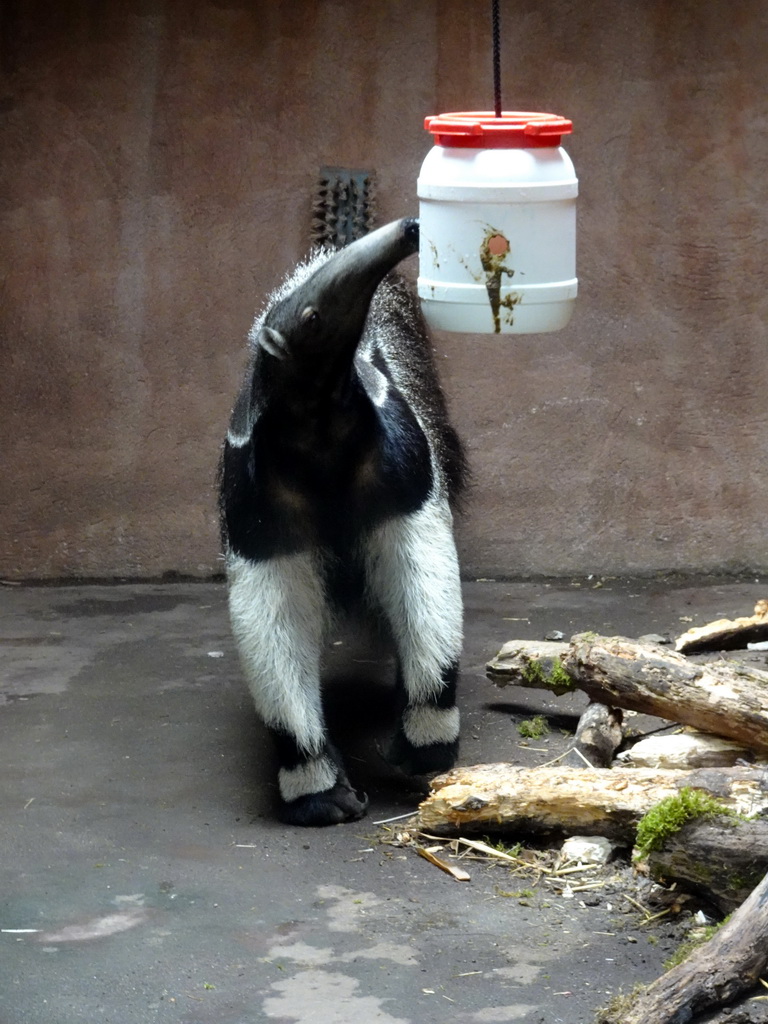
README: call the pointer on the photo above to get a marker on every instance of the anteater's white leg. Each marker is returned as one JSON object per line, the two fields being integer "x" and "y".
{"x": 412, "y": 573}
{"x": 279, "y": 617}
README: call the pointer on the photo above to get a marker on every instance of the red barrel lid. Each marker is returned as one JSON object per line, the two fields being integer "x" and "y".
{"x": 513, "y": 130}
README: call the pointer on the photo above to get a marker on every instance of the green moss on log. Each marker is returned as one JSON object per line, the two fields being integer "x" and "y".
{"x": 669, "y": 816}
{"x": 697, "y": 938}
{"x": 615, "y": 1012}
{"x": 554, "y": 677}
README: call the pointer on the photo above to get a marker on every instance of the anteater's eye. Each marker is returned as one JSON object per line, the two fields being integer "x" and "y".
{"x": 309, "y": 315}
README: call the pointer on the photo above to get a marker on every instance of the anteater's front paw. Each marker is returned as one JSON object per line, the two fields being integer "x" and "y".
{"x": 341, "y": 803}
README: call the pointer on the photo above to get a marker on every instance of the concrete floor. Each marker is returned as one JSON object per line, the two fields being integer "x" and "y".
{"x": 144, "y": 879}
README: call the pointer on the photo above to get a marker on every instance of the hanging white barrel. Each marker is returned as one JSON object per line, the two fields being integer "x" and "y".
{"x": 497, "y": 215}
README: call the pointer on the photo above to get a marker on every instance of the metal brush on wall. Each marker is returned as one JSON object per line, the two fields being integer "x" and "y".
{"x": 343, "y": 209}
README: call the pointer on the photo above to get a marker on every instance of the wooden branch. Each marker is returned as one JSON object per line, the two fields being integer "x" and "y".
{"x": 722, "y": 858}
{"x": 726, "y": 699}
{"x": 598, "y": 735}
{"x": 577, "y": 801}
{"x": 715, "y": 974}
{"x": 726, "y": 634}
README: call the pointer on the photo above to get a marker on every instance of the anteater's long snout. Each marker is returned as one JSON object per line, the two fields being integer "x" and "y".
{"x": 370, "y": 258}
{"x": 326, "y": 313}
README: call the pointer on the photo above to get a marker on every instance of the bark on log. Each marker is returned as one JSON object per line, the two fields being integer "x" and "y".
{"x": 598, "y": 735}
{"x": 721, "y": 858}
{"x": 724, "y": 698}
{"x": 726, "y": 634}
{"x": 531, "y": 663}
{"x": 715, "y": 974}
{"x": 576, "y": 801}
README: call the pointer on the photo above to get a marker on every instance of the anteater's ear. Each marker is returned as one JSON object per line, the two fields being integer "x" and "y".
{"x": 272, "y": 341}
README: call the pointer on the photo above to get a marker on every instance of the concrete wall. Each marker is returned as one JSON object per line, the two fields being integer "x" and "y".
{"x": 158, "y": 161}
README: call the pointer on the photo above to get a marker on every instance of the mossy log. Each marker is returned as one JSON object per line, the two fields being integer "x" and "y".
{"x": 722, "y": 858}
{"x": 531, "y": 663}
{"x": 713, "y": 975}
{"x": 723, "y": 698}
{"x": 576, "y": 801}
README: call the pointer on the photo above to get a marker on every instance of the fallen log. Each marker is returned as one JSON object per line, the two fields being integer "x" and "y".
{"x": 548, "y": 665}
{"x": 720, "y": 857}
{"x": 531, "y": 663}
{"x": 726, "y": 698}
{"x": 715, "y": 974}
{"x": 726, "y": 634}
{"x": 538, "y": 664}
{"x": 575, "y": 801}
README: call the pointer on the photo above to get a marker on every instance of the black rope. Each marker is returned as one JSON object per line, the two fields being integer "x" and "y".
{"x": 496, "y": 58}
